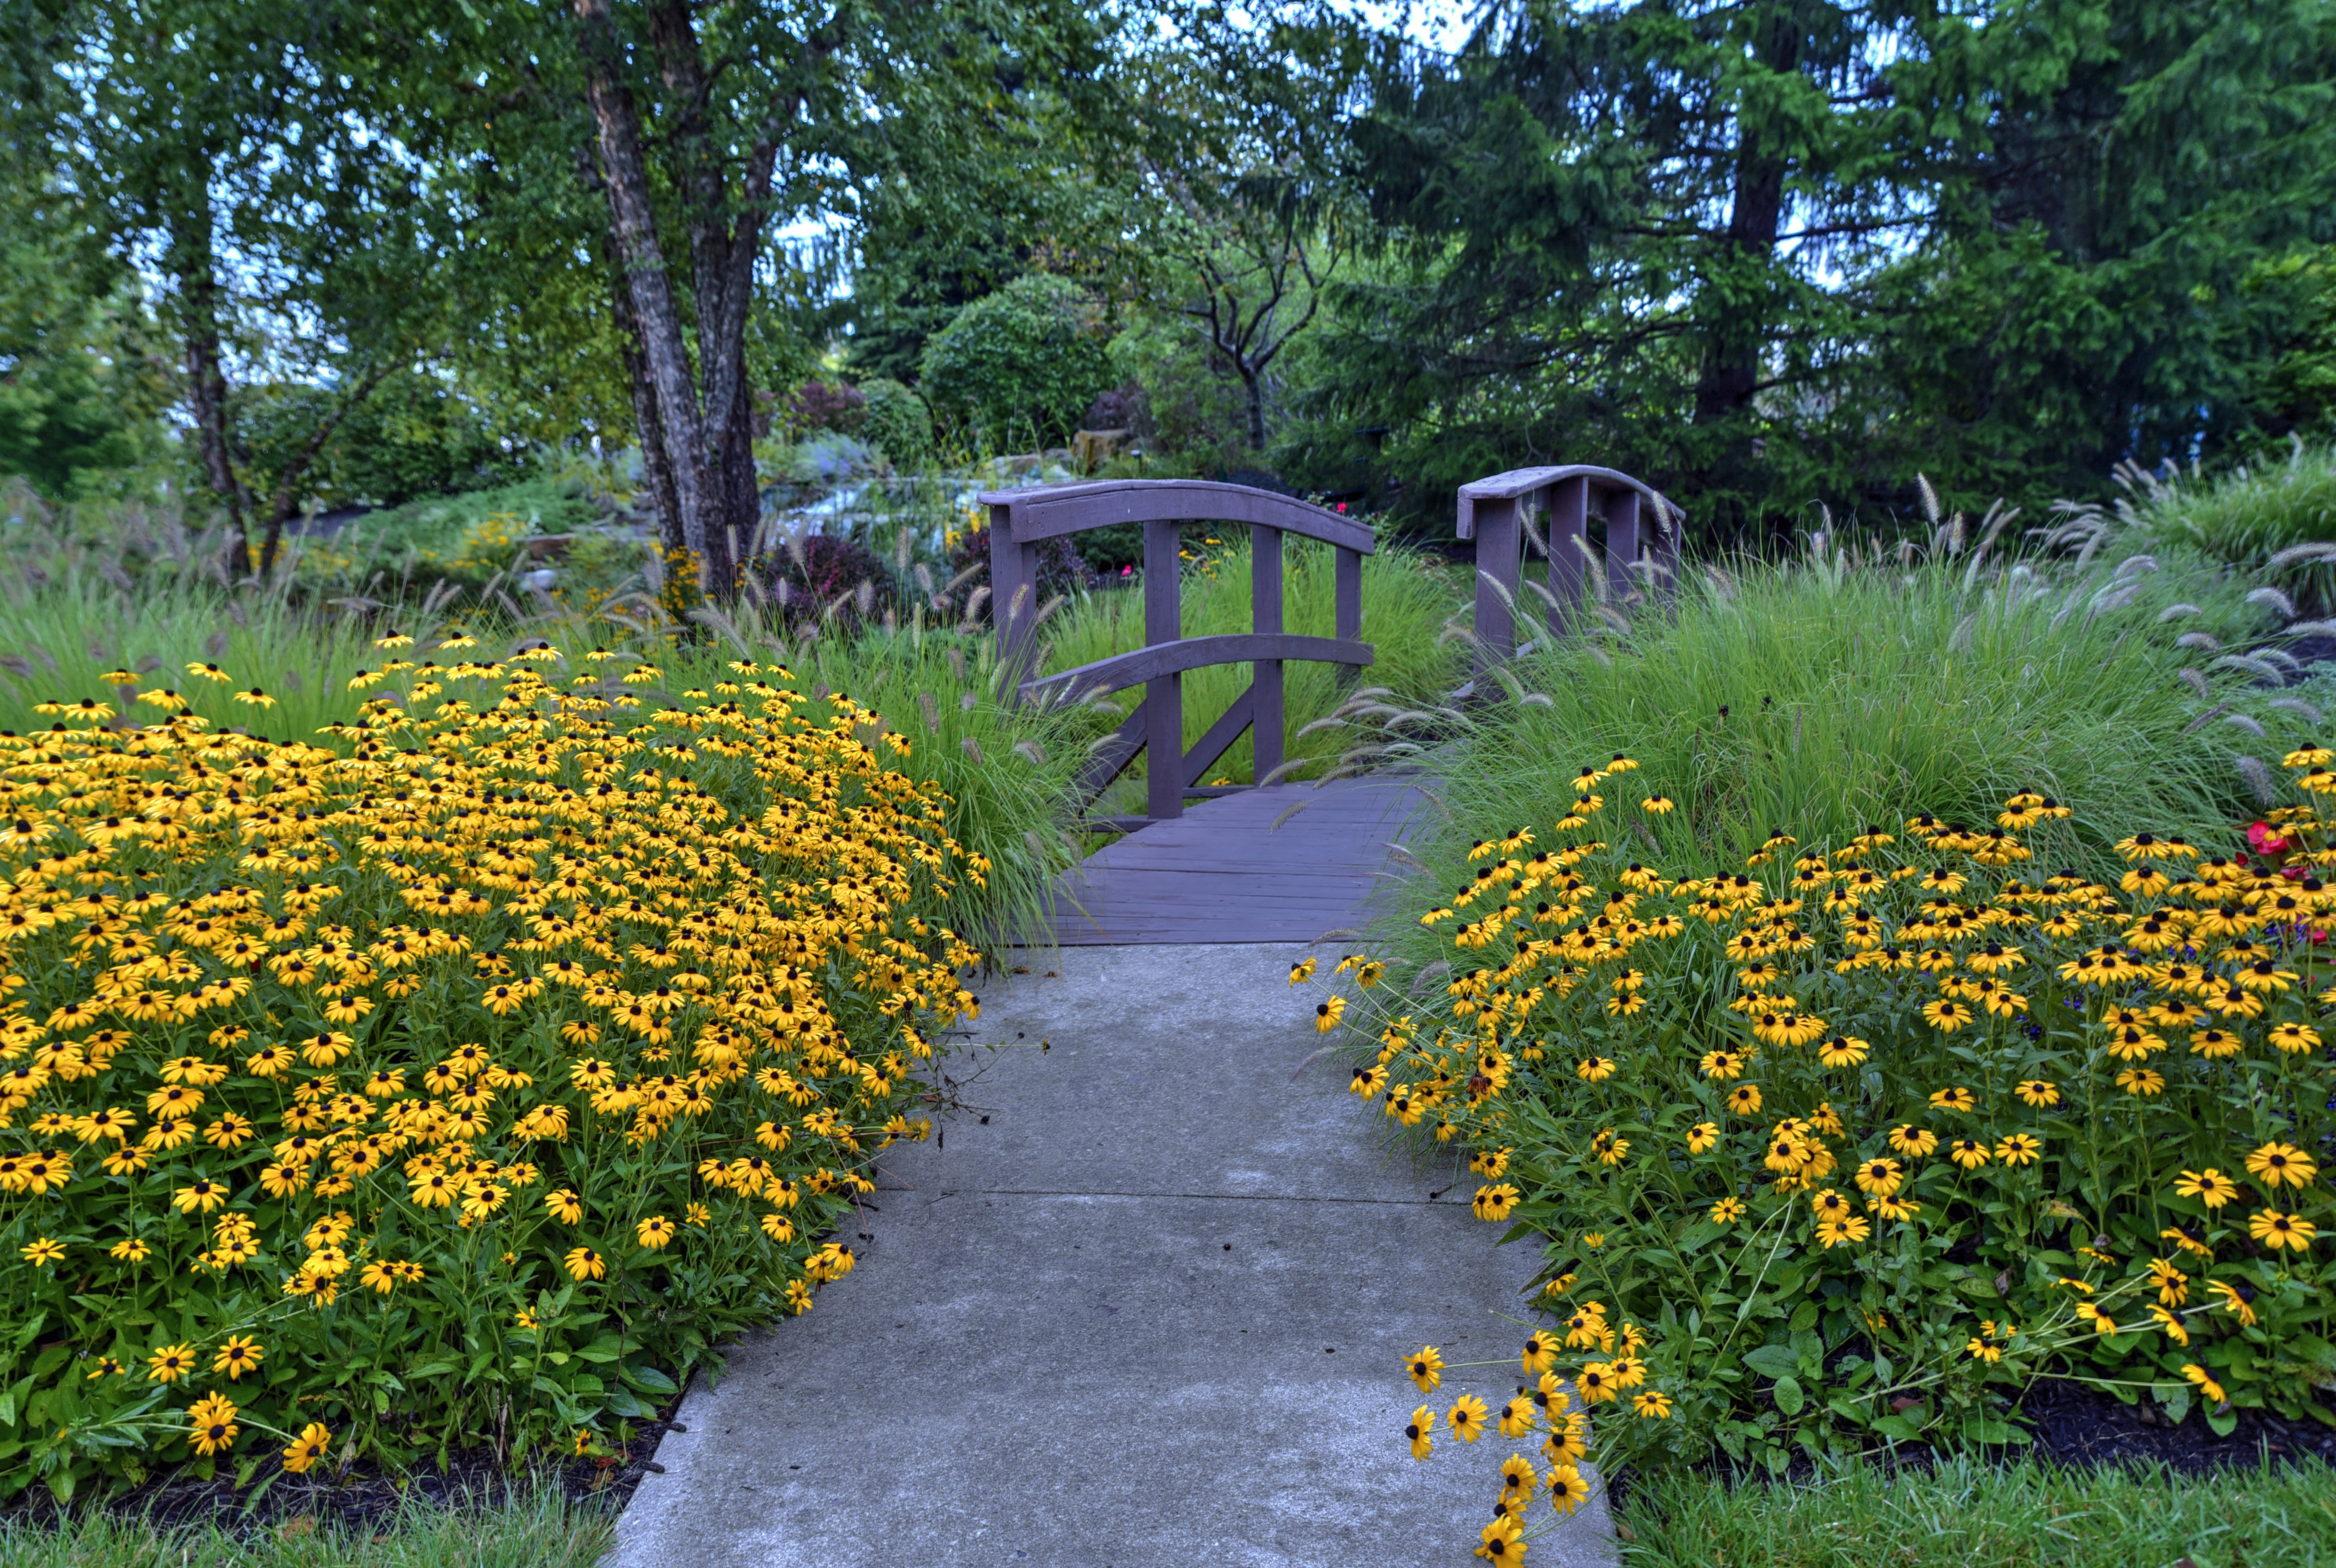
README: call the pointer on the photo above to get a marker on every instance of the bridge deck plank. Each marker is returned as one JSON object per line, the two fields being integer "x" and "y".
{"x": 1225, "y": 872}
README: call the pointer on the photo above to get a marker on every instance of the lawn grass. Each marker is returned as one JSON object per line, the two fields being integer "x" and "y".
{"x": 1972, "y": 1515}
{"x": 537, "y": 1530}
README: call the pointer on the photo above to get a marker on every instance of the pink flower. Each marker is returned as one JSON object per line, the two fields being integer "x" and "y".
{"x": 2264, "y": 841}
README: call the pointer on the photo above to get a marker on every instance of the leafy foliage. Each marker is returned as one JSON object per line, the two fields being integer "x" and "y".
{"x": 1761, "y": 253}
{"x": 1021, "y": 364}
{"x": 534, "y": 1047}
{"x": 1826, "y": 1148}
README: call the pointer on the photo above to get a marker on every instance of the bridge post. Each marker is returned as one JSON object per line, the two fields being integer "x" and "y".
{"x": 1163, "y": 696}
{"x": 1265, "y": 678}
{"x": 1641, "y": 546}
{"x": 1013, "y": 602}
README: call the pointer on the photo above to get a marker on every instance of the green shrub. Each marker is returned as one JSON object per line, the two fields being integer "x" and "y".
{"x": 535, "y": 1033}
{"x": 1830, "y": 1148}
{"x": 899, "y": 423}
{"x": 1022, "y": 364}
{"x": 2261, "y": 519}
{"x": 1675, "y": 1051}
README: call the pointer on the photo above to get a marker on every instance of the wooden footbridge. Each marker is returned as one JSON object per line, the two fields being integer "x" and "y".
{"x": 1270, "y": 861}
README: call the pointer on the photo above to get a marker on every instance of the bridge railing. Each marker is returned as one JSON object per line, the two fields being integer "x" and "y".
{"x": 1019, "y": 520}
{"x": 1499, "y": 512}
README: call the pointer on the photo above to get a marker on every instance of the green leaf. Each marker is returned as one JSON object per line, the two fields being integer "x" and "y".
{"x": 649, "y": 1381}
{"x": 1897, "y": 1428}
{"x": 1773, "y": 1361}
{"x": 1788, "y": 1395}
{"x": 2223, "y": 1421}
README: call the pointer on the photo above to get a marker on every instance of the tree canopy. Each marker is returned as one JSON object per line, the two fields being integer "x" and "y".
{"x": 1764, "y": 253}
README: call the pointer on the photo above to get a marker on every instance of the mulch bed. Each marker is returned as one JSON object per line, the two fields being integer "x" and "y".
{"x": 2083, "y": 1428}
{"x": 369, "y": 1498}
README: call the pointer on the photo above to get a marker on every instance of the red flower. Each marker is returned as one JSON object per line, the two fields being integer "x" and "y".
{"x": 2264, "y": 841}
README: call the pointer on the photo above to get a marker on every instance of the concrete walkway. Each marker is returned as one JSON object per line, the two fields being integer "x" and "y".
{"x": 1151, "y": 1314}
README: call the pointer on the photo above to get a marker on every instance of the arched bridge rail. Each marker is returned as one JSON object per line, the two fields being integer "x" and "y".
{"x": 1642, "y": 554}
{"x": 1019, "y": 520}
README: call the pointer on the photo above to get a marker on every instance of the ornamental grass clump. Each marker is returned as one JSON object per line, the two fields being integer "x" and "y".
{"x": 1840, "y": 1149}
{"x": 461, "y": 1082}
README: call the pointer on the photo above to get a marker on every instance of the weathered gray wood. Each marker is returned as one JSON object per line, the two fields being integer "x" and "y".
{"x": 1349, "y": 621}
{"x": 1111, "y": 759}
{"x": 1043, "y": 511}
{"x": 1220, "y": 737}
{"x": 1013, "y": 599}
{"x": 1517, "y": 482}
{"x": 1226, "y": 872}
{"x": 1498, "y": 560}
{"x": 1164, "y": 690}
{"x": 1622, "y": 541}
{"x": 1569, "y": 551}
{"x": 1265, "y": 619}
{"x": 1123, "y": 671}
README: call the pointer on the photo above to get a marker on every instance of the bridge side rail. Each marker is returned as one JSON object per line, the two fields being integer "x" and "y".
{"x": 1642, "y": 540}
{"x": 1020, "y": 519}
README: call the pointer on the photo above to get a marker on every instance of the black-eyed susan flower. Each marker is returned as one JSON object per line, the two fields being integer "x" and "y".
{"x": 1327, "y": 1014}
{"x": 314, "y": 1441}
{"x": 2038, "y": 1092}
{"x": 2275, "y": 1230}
{"x": 1744, "y": 1099}
{"x": 2276, "y": 1163}
{"x": 1420, "y": 1431}
{"x": 2209, "y": 1186}
{"x": 2294, "y": 1037}
{"x": 1495, "y": 1201}
{"x": 2020, "y": 1149}
{"x": 238, "y": 1354}
{"x": 1970, "y": 1153}
{"x": 2204, "y": 1381}
{"x": 170, "y": 1363}
{"x": 584, "y": 1263}
{"x": 1466, "y": 1417}
{"x": 211, "y": 1421}
{"x": 1915, "y": 1142}
{"x": 1727, "y": 1210}
{"x": 43, "y": 1252}
{"x": 1702, "y": 1136}
{"x": 1567, "y": 1490}
{"x": 1959, "y": 1100}
{"x": 1879, "y": 1178}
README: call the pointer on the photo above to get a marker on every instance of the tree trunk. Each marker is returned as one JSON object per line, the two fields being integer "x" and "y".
{"x": 702, "y": 419}
{"x": 1739, "y": 331}
{"x": 191, "y": 264}
{"x": 287, "y": 483}
{"x": 680, "y": 423}
{"x": 657, "y": 467}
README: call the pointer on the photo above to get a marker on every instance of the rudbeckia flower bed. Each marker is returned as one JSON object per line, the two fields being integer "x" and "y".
{"x": 463, "y": 1082}
{"x": 1842, "y": 1149}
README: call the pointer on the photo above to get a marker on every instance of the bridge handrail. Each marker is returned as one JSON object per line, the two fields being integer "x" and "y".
{"x": 1036, "y": 512}
{"x": 1640, "y": 548}
{"x": 1020, "y": 519}
{"x": 1138, "y": 666}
